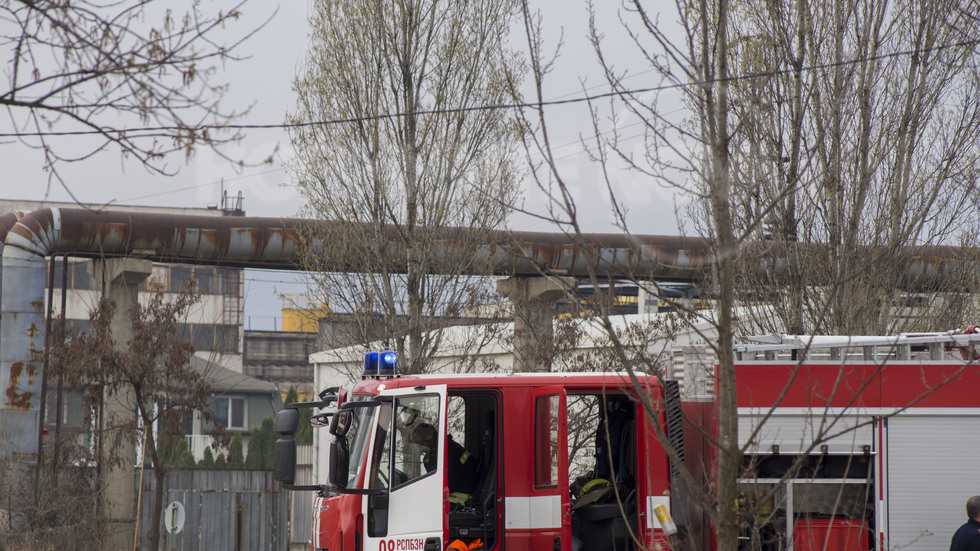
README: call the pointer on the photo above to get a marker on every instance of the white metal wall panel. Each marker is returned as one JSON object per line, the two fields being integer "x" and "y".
{"x": 795, "y": 430}
{"x": 933, "y": 467}
{"x": 532, "y": 513}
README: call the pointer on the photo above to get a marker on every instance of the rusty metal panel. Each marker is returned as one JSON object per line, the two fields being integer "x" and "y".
{"x": 21, "y": 354}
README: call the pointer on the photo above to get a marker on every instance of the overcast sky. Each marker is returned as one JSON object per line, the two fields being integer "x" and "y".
{"x": 275, "y": 55}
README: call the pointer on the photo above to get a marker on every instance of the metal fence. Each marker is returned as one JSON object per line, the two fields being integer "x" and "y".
{"x": 301, "y": 503}
{"x": 224, "y": 510}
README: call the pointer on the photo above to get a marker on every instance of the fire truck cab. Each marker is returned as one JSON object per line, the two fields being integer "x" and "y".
{"x": 556, "y": 461}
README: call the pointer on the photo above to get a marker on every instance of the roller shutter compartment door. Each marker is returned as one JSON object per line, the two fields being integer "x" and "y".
{"x": 933, "y": 467}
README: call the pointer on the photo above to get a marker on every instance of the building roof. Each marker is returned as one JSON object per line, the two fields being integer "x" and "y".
{"x": 459, "y": 340}
{"x": 225, "y": 380}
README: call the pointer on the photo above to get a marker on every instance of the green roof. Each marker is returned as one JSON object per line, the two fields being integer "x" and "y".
{"x": 226, "y": 380}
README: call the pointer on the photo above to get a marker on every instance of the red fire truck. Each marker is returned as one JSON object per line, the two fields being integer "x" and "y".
{"x": 558, "y": 461}
{"x": 859, "y": 443}
{"x": 849, "y": 443}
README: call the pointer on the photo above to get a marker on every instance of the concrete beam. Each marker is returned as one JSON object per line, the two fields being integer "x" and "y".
{"x": 120, "y": 278}
{"x": 534, "y": 300}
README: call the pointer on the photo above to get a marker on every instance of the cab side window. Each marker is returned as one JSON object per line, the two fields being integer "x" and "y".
{"x": 546, "y": 441}
{"x": 416, "y": 449}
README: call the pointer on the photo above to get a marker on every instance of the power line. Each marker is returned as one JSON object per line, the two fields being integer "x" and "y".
{"x": 204, "y": 185}
{"x": 277, "y": 281}
{"x": 150, "y": 130}
{"x": 280, "y": 169}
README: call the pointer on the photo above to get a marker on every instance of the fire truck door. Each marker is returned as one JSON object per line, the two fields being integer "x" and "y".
{"x": 544, "y": 516}
{"x": 409, "y": 460}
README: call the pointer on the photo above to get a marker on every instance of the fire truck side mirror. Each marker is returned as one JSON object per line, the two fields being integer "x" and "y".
{"x": 341, "y": 422}
{"x": 321, "y": 419}
{"x": 285, "y": 460}
{"x": 338, "y": 464}
{"x": 287, "y": 421}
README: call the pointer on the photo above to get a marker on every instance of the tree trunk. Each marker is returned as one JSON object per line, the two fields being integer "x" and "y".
{"x": 416, "y": 253}
{"x": 159, "y": 490}
{"x": 729, "y": 460}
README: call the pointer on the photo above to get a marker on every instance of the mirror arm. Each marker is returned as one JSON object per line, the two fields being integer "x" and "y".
{"x": 361, "y": 492}
{"x": 304, "y": 488}
{"x": 307, "y": 405}
{"x": 329, "y": 394}
{"x": 321, "y": 419}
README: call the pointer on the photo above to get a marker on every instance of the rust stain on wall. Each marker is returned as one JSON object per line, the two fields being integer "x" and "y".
{"x": 15, "y": 399}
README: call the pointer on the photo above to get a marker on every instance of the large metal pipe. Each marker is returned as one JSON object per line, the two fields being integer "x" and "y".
{"x": 274, "y": 243}
{"x": 264, "y": 243}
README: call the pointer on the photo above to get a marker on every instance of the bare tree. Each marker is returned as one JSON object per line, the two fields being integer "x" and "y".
{"x": 830, "y": 202}
{"x": 58, "y": 503}
{"x": 416, "y": 151}
{"x": 857, "y": 131}
{"x": 134, "y": 75}
{"x": 151, "y": 373}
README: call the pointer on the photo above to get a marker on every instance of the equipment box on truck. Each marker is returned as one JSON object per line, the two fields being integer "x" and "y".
{"x": 858, "y": 442}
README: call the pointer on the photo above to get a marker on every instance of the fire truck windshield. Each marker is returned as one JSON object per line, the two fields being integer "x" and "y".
{"x": 357, "y": 439}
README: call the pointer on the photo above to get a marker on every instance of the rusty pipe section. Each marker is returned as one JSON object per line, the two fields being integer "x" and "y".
{"x": 260, "y": 243}
{"x": 617, "y": 256}
{"x": 274, "y": 243}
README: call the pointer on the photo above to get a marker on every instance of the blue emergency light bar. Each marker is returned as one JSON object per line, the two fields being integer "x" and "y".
{"x": 380, "y": 364}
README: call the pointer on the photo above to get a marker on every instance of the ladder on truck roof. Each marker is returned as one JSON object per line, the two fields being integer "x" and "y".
{"x": 945, "y": 346}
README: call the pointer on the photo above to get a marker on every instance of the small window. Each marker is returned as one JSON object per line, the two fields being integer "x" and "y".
{"x": 456, "y": 420}
{"x": 226, "y": 338}
{"x": 230, "y": 412}
{"x": 203, "y": 337}
{"x": 80, "y": 278}
{"x": 180, "y": 276}
{"x": 228, "y": 281}
{"x": 204, "y": 280}
{"x": 82, "y": 326}
{"x": 546, "y": 441}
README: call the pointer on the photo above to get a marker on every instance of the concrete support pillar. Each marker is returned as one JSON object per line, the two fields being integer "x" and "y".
{"x": 534, "y": 300}
{"x": 119, "y": 278}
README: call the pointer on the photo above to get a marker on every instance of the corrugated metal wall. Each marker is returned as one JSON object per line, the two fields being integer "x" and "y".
{"x": 302, "y": 518}
{"x": 931, "y": 472}
{"x": 225, "y": 510}
{"x": 302, "y": 502}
